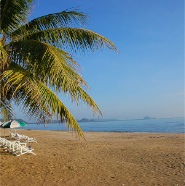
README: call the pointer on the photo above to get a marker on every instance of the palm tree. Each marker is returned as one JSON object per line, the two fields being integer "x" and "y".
{"x": 36, "y": 61}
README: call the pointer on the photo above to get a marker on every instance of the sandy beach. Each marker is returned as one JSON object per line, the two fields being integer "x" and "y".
{"x": 129, "y": 159}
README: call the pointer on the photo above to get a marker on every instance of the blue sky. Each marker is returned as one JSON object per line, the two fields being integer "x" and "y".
{"x": 146, "y": 76}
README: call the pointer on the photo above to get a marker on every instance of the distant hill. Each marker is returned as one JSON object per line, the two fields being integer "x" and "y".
{"x": 148, "y": 117}
{"x": 96, "y": 120}
{"x": 86, "y": 120}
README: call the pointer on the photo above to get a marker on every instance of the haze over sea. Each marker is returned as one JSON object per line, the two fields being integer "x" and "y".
{"x": 162, "y": 125}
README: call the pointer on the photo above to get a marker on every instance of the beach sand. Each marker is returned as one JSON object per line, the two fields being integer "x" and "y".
{"x": 116, "y": 159}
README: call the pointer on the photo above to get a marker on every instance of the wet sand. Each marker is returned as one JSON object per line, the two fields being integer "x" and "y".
{"x": 129, "y": 159}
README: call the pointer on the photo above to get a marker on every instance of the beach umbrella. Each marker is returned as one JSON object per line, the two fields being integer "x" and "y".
{"x": 13, "y": 124}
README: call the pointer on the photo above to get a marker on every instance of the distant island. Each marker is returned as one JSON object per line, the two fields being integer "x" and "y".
{"x": 95, "y": 120}
{"x": 103, "y": 120}
{"x": 86, "y": 120}
{"x": 91, "y": 120}
{"x": 148, "y": 117}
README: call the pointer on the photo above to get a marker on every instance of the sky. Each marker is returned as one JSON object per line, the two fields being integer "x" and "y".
{"x": 146, "y": 76}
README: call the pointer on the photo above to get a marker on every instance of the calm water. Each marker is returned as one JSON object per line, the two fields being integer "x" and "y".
{"x": 170, "y": 125}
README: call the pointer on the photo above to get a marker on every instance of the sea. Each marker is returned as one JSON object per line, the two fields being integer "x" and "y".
{"x": 162, "y": 125}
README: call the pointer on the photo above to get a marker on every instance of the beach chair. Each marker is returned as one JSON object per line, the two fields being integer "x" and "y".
{"x": 21, "y": 150}
{"x": 12, "y": 135}
{"x": 23, "y": 137}
{"x": 31, "y": 140}
{"x": 1, "y": 141}
{"x": 10, "y": 145}
{"x": 13, "y": 146}
{"x": 4, "y": 142}
{"x": 16, "y": 147}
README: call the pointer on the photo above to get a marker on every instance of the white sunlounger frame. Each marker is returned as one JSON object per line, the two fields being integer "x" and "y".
{"x": 16, "y": 147}
{"x": 23, "y": 137}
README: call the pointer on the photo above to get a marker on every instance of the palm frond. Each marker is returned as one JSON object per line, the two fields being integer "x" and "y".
{"x": 72, "y": 38}
{"x": 55, "y": 20}
{"x": 59, "y": 108}
{"x": 60, "y": 81}
{"x": 6, "y": 110}
{"x": 48, "y": 63}
{"x": 3, "y": 57}
{"x": 13, "y": 14}
{"x": 21, "y": 87}
{"x": 38, "y": 98}
{"x": 58, "y": 74}
{"x": 35, "y": 65}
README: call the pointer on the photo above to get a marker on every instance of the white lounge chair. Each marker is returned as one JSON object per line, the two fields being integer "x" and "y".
{"x": 20, "y": 150}
{"x": 16, "y": 147}
{"x": 23, "y": 137}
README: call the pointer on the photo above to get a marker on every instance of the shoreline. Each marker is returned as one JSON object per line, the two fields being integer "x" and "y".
{"x": 128, "y": 132}
{"x": 114, "y": 132}
{"x": 142, "y": 126}
{"x": 105, "y": 158}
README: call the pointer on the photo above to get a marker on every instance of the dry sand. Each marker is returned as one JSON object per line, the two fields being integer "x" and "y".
{"x": 116, "y": 159}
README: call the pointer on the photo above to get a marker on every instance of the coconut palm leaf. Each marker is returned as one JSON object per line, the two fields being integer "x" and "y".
{"x": 36, "y": 62}
{"x": 73, "y": 38}
{"x": 23, "y": 88}
{"x": 19, "y": 77}
{"x": 56, "y": 20}
{"x": 13, "y": 14}
{"x": 58, "y": 107}
{"x": 6, "y": 109}
{"x": 40, "y": 99}
{"x": 3, "y": 57}
{"x": 49, "y": 64}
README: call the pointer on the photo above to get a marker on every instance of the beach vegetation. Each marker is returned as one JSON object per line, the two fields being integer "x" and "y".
{"x": 37, "y": 61}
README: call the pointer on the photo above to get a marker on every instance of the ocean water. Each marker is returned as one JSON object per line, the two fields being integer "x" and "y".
{"x": 165, "y": 125}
